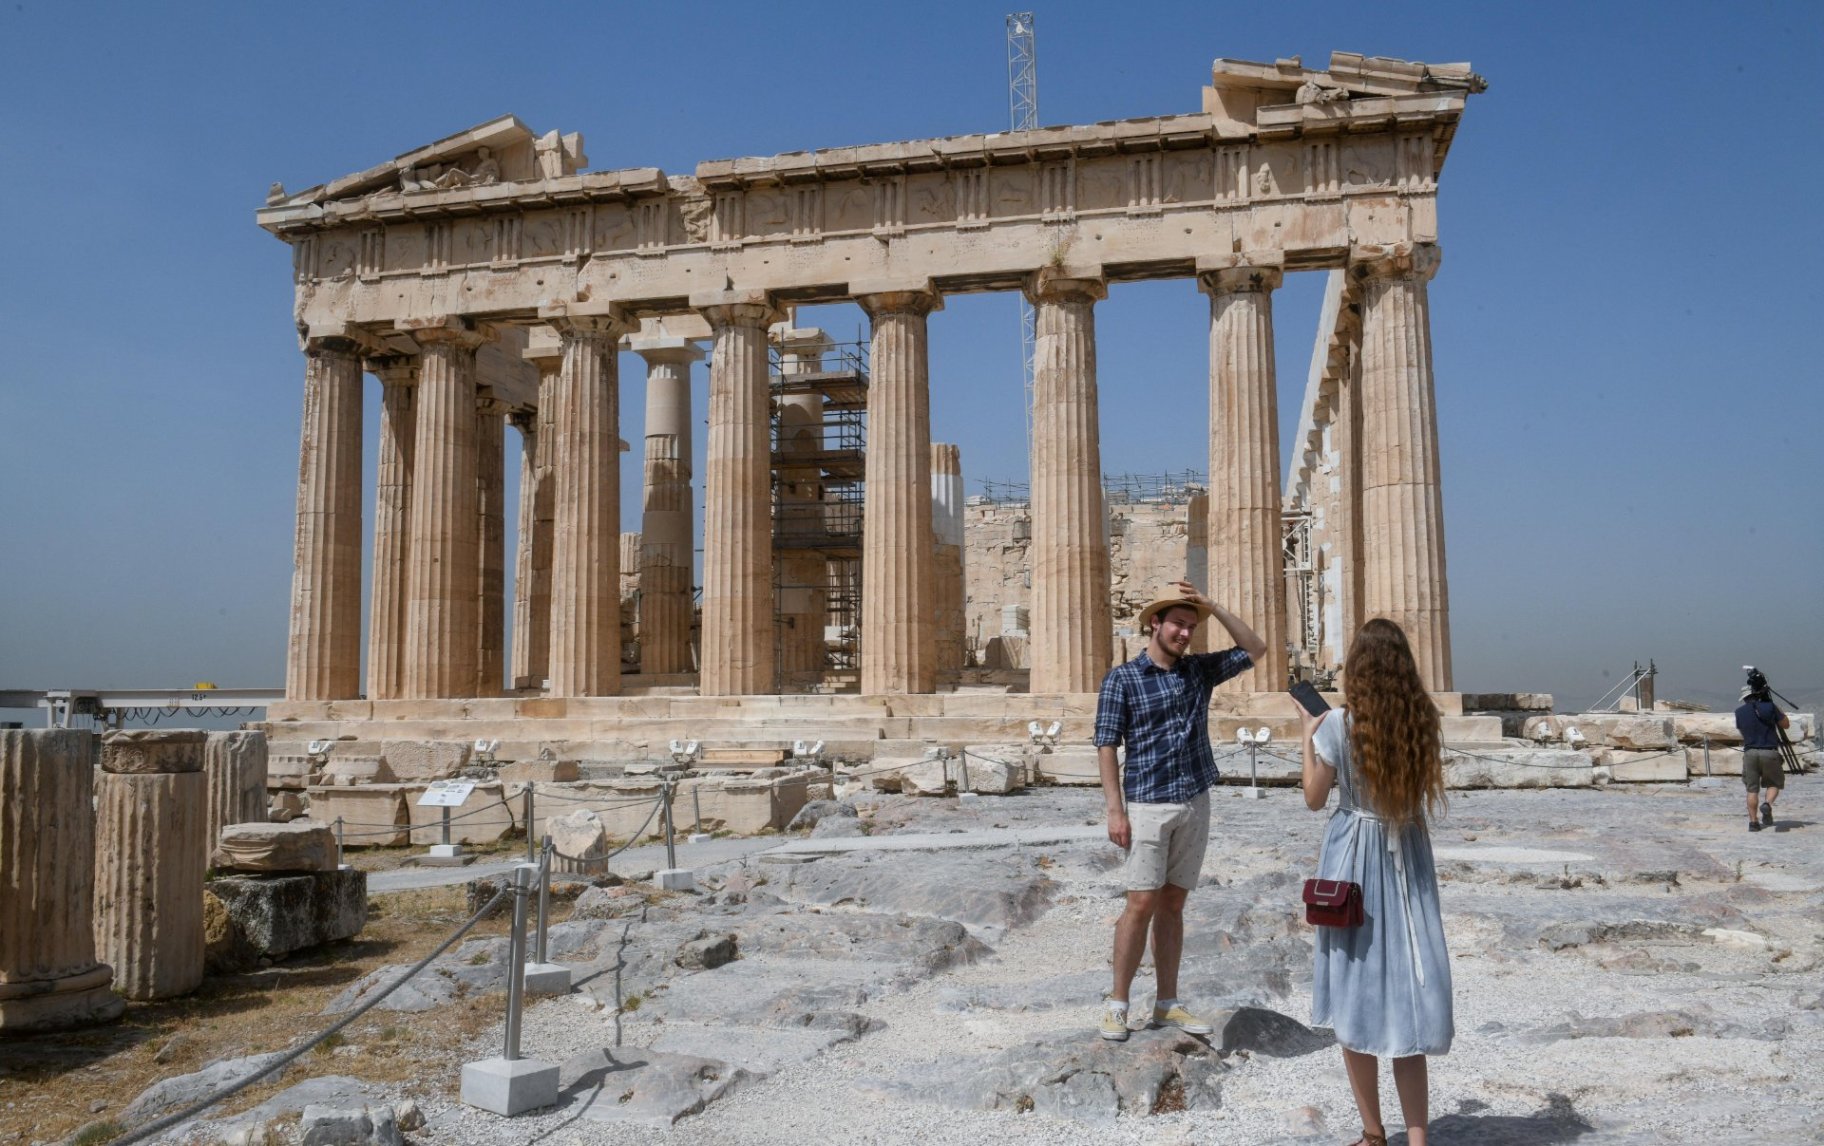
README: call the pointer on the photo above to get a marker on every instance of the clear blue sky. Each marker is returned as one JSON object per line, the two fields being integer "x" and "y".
{"x": 1625, "y": 323}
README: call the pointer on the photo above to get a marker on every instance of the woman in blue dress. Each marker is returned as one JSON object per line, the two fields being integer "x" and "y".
{"x": 1383, "y": 986}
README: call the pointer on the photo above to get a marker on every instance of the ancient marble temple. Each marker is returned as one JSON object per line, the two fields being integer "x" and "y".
{"x": 489, "y": 278}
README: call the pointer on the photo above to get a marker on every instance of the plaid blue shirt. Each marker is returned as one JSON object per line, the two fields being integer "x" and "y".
{"x": 1163, "y": 717}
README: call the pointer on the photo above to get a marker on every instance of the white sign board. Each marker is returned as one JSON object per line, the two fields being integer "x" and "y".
{"x": 446, "y": 794}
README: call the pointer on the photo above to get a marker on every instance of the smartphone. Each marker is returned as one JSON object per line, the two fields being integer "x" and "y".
{"x": 1308, "y": 698}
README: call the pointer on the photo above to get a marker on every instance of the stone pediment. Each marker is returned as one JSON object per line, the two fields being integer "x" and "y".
{"x": 1239, "y": 89}
{"x": 502, "y": 150}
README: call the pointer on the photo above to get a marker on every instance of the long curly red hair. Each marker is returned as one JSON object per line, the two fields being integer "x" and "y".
{"x": 1394, "y": 736}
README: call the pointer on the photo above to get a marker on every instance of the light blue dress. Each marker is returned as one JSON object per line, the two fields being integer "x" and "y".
{"x": 1384, "y": 987}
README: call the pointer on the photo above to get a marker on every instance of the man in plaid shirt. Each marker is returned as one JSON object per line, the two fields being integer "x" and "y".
{"x": 1158, "y": 706}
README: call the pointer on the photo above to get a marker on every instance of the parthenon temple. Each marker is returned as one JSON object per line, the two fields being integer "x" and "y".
{"x": 488, "y": 279}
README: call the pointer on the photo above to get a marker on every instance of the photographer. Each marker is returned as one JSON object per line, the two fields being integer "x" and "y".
{"x": 1760, "y": 722}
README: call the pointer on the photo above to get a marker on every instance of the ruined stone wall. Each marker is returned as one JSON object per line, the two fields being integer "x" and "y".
{"x": 1149, "y": 547}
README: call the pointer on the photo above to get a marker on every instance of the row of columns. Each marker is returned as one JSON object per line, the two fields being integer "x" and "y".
{"x": 432, "y": 508}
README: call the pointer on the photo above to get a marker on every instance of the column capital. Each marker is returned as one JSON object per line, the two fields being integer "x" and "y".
{"x": 1418, "y": 261}
{"x": 725, "y": 308}
{"x": 1066, "y": 284}
{"x": 1242, "y": 279}
{"x": 667, "y": 350}
{"x": 920, "y": 300}
{"x": 445, "y": 330}
{"x": 487, "y": 404}
{"x": 569, "y": 322}
{"x": 393, "y": 369}
{"x": 319, "y": 347}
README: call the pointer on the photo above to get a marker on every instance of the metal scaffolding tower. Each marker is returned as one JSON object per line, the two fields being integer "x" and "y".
{"x": 818, "y": 492}
{"x": 1023, "y": 111}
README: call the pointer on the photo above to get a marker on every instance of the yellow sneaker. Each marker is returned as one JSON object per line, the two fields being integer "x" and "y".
{"x": 1178, "y": 1017}
{"x": 1114, "y": 1025}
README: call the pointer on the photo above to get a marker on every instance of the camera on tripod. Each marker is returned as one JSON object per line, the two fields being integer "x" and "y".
{"x": 1758, "y": 688}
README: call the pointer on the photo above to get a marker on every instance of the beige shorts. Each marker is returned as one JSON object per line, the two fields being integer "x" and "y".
{"x": 1168, "y": 844}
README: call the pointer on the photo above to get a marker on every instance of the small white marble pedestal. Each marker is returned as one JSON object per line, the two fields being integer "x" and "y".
{"x": 547, "y": 979}
{"x": 1253, "y": 793}
{"x": 509, "y": 1087}
{"x": 676, "y": 879}
{"x": 700, "y": 837}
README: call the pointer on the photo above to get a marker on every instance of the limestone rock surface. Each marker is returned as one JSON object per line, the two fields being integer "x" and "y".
{"x": 272, "y": 916}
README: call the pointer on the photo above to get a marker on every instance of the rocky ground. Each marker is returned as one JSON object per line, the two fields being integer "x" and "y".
{"x": 1631, "y": 966}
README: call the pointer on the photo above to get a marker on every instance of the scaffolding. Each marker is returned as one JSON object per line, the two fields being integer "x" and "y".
{"x": 1117, "y": 489}
{"x": 818, "y": 467}
{"x": 1305, "y": 595}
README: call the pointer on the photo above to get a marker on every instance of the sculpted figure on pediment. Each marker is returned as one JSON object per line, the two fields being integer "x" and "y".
{"x": 1313, "y": 92}
{"x": 1263, "y": 180}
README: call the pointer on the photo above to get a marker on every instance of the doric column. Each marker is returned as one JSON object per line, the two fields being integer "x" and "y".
{"x": 667, "y": 557}
{"x": 1402, "y": 501}
{"x": 1071, "y": 628}
{"x": 392, "y": 529}
{"x": 737, "y": 654}
{"x": 1197, "y": 558}
{"x": 234, "y": 771}
{"x": 537, "y": 505}
{"x": 491, "y": 531}
{"x": 1246, "y": 555}
{"x": 801, "y": 521}
{"x": 323, "y": 660}
{"x": 586, "y": 535}
{"x": 150, "y": 858}
{"x": 441, "y": 615}
{"x": 898, "y": 578}
{"x": 947, "y": 555}
{"x": 49, "y": 976}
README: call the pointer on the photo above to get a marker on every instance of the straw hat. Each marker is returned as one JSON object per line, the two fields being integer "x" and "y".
{"x": 1170, "y": 597}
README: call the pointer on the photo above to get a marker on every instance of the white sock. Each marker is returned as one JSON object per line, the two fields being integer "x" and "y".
{"x": 1164, "y": 1004}
{"x": 1116, "y": 1006}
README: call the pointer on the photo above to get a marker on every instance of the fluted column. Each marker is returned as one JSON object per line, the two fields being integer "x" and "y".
{"x": 323, "y": 658}
{"x": 441, "y": 614}
{"x": 234, "y": 770}
{"x": 1246, "y": 554}
{"x": 491, "y": 532}
{"x": 667, "y": 557}
{"x": 802, "y": 518}
{"x": 392, "y": 525}
{"x": 738, "y": 654}
{"x": 1402, "y": 500}
{"x": 49, "y": 976}
{"x": 1197, "y": 558}
{"x": 586, "y": 536}
{"x": 629, "y": 597}
{"x": 537, "y": 507}
{"x": 898, "y": 577}
{"x": 1071, "y": 628}
{"x": 1346, "y": 502}
{"x": 150, "y": 858}
{"x": 947, "y": 555}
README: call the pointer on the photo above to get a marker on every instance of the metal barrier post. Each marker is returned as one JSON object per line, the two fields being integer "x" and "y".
{"x": 339, "y": 832}
{"x": 671, "y": 850}
{"x": 544, "y": 899}
{"x": 696, "y": 808}
{"x": 446, "y": 825}
{"x": 1708, "y": 780}
{"x": 1253, "y": 761}
{"x": 531, "y": 828}
{"x": 516, "y": 961}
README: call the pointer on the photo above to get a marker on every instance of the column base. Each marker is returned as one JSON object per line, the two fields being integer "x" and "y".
{"x": 77, "y": 1001}
{"x": 509, "y": 1087}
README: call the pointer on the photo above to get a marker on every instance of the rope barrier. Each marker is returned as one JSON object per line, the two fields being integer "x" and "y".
{"x": 144, "y": 1132}
{"x": 631, "y": 840}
